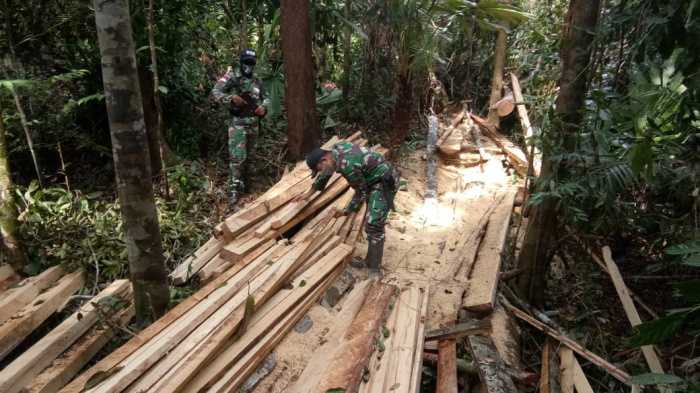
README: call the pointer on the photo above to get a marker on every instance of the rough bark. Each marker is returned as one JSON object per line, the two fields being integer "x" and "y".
{"x": 131, "y": 159}
{"x": 404, "y": 102}
{"x": 8, "y": 212}
{"x": 575, "y": 55}
{"x": 303, "y": 132}
{"x": 497, "y": 78}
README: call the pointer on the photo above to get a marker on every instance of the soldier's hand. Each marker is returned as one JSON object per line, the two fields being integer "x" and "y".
{"x": 238, "y": 100}
{"x": 260, "y": 111}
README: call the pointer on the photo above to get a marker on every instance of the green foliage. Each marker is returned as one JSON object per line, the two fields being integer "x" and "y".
{"x": 655, "y": 379}
{"x": 85, "y": 231}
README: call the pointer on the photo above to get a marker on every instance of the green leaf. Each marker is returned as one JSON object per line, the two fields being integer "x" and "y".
{"x": 655, "y": 379}
{"x": 692, "y": 260}
{"x": 659, "y": 330}
{"x": 163, "y": 89}
{"x": 691, "y": 247}
{"x": 689, "y": 290}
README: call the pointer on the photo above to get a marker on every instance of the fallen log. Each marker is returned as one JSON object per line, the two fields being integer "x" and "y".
{"x": 492, "y": 370}
{"x": 514, "y": 154}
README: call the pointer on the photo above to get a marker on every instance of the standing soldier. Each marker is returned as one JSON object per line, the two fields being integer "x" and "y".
{"x": 244, "y": 95}
{"x": 373, "y": 179}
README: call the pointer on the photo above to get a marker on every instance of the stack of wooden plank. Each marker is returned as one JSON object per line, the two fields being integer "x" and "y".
{"x": 267, "y": 218}
{"x": 27, "y": 305}
{"x": 58, "y": 356}
{"x": 257, "y": 285}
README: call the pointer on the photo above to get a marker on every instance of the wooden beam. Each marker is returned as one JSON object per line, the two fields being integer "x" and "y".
{"x": 533, "y": 164}
{"x": 346, "y": 368}
{"x": 191, "y": 265}
{"x": 544, "y": 369}
{"x": 269, "y": 316}
{"x": 20, "y": 325}
{"x": 15, "y": 299}
{"x": 630, "y": 310}
{"x": 580, "y": 381}
{"x": 30, "y": 363}
{"x": 207, "y": 273}
{"x": 476, "y": 327}
{"x": 63, "y": 369}
{"x": 483, "y": 282}
{"x": 417, "y": 369}
{"x": 576, "y": 347}
{"x": 447, "y": 366}
{"x": 492, "y": 370}
{"x": 8, "y": 277}
{"x": 566, "y": 367}
{"x": 514, "y": 154}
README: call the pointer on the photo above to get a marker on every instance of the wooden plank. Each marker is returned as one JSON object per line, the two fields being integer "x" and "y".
{"x": 146, "y": 364}
{"x": 8, "y": 277}
{"x": 238, "y": 249}
{"x": 566, "y": 369}
{"x": 630, "y": 310}
{"x": 238, "y": 374}
{"x": 533, "y": 164}
{"x": 320, "y": 358}
{"x": 514, "y": 154}
{"x": 483, "y": 283}
{"x": 447, "y": 366}
{"x": 191, "y": 265}
{"x": 346, "y": 368}
{"x": 15, "y": 299}
{"x": 417, "y": 369}
{"x": 398, "y": 376}
{"x": 14, "y": 330}
{"x": 207, "y": 273}
{"x": 29, "y": 364}
{"x": 492, "y": 370}
{"x": 63, "y": 369}
{"x": 580, "y": 381}
{"x": 476, "y": 327}
{"x": 213, "y": 336}
{"x": 576, "y": 347}
{"x": 113, "y": 359}
{"x": 379, "y": 363}
{"x": 544, "y": 369}
{"x": 263, "y": 321}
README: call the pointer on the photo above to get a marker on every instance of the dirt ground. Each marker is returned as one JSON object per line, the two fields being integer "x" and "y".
{"x": 419, "y": 250}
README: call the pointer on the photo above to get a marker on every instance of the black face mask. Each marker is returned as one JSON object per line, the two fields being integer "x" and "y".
{"x": 247, "y": 69}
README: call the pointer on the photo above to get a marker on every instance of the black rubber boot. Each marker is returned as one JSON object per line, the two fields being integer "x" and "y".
{"x": 375, "y": 252}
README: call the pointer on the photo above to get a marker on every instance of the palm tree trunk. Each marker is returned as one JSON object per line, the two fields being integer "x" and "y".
{"x": 131, "y": 159}
{"x": 575, "y": 56}
{"x": 8, "y": 211}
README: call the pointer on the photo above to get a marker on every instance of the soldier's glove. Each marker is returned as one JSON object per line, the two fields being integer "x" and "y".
{"x": 260, "y": 111}
{"x": 238, "y": 100}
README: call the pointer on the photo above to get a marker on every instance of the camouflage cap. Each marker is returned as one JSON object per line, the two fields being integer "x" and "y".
{"x": 248, "y": 56}
{"x": 313, "y": 158}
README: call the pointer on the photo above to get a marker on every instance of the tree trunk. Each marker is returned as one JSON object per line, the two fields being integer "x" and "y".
{"x": 499, "y": 59}
{"x": 156, "y": 99}
{"x": 244, "y": 27}
{"x": 8, "y": 211}
{"x": 404, "y": 103}
{"x": 131, "y": 159}
{"x": 575, "y": 56}
{"x": 303, "y": 131}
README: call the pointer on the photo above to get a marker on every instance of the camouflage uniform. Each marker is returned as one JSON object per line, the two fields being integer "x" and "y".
{"x": 242, "y": 127}
{"x": 373, "y": 180}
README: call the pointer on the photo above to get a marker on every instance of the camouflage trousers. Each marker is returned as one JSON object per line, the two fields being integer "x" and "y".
{"x": 241, "y": 134}
{"x": 380, "y": 200}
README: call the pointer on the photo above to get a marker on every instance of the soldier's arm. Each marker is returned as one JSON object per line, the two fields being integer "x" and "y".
{"x": 359, "y": 183}
{"x": 222, "y": 91}
{"x": 321, "y": 181}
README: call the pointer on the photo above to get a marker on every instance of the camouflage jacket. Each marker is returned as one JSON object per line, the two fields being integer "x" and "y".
{"x": 361, "y": 167}
{"x": 250, "y": 89}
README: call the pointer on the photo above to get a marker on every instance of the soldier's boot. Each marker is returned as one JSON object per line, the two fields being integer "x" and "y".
{"x": 375, "y": 252}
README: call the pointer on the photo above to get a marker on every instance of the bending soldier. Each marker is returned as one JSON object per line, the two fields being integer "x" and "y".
{"x": 374, "y": 181}
{"x": 244, "y": 95}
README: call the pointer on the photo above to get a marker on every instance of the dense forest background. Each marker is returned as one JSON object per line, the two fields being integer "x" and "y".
{"x": 628, "y": 176}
